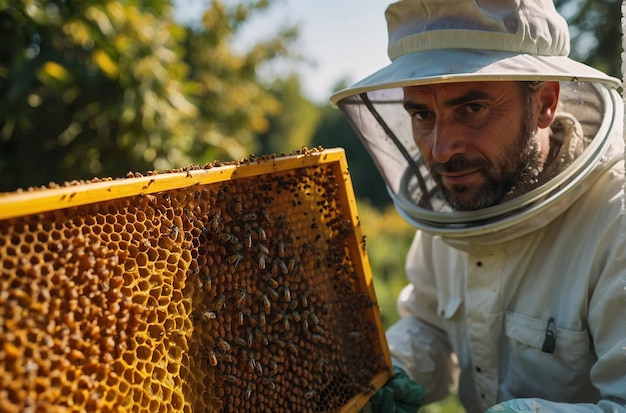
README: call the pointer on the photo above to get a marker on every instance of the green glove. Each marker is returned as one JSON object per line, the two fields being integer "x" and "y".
{"x": 399, "y": 395}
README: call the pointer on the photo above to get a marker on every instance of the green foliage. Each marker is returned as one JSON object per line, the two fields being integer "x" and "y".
{"x": 293, "y": 127}
{"x": 596, "y": 32}
{"x": 388, "y": 238}
{"x": 235, "y": 105}
{"x": 88, "y": 88}
{"x": 101, "y": 87}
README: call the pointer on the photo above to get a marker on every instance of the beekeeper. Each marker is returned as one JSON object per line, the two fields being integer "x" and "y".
{"x": 508, "y": 157}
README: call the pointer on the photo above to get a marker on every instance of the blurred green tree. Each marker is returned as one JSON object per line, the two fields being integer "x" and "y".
{"x": 596, "y": 32}
{"x": 101, "y": 87}
{"x": 93, "y": 87}
{"x": 235, "y": 103}
{"x": 295, "y": 126}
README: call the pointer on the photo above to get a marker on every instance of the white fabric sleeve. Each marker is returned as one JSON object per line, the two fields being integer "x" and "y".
{"x": 416, "y": 344}
{"x": 545, "y": 406}
{"x": 423, "y": 352}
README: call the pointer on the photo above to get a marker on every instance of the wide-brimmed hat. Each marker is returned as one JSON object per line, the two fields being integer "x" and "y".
{"x": 443, "y": 41}
{"x": 448, "y": 41}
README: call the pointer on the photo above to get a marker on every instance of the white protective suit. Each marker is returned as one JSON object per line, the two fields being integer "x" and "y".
{"x": 528, "y": 293}
{"x": 495, "y": 300}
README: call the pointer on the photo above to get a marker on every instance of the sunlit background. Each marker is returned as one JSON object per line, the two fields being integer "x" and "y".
{"x": 342, "y": 40}
{"x": 102, "y": 88}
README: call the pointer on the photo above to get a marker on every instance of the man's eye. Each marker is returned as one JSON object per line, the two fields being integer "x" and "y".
{"x": 474, "y": 107}
{"x": 422, "y": 115}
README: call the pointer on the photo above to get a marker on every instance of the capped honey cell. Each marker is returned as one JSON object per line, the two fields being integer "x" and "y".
{"x": 236, "y": 287}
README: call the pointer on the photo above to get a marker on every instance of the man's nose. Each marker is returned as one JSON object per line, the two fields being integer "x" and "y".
{"x": 449, "y": 141}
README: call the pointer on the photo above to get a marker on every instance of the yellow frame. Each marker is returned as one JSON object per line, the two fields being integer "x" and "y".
{"x": 43, "y": 200}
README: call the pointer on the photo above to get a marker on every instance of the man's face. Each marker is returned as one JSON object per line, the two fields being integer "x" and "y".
{"x": 477, "y": 139}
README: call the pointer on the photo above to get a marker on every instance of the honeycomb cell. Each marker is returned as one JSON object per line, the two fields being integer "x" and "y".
{"x": 239, "y": 295}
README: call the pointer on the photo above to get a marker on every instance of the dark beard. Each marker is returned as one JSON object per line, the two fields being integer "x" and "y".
{"x": 502, "y": 185}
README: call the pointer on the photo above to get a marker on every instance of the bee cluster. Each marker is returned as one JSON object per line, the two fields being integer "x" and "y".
{"x": 235, "y": 296}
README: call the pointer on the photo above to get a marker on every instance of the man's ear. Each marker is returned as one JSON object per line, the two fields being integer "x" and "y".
{"x": 548, "y": 96}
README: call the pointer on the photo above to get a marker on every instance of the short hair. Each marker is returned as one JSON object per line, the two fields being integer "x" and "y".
{"x": 528, "y": 89}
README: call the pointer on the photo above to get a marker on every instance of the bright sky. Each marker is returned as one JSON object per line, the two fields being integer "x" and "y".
{"x": 343, "y": 39}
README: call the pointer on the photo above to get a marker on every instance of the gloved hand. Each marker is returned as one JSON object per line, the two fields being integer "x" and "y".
{"x": 399, "y": 395}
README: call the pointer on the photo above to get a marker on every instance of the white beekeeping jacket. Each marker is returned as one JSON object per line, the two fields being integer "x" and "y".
{"x": 538, "y": 310}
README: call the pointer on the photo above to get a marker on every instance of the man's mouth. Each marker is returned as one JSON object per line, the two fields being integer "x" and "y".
{"x": 458, "y": 177}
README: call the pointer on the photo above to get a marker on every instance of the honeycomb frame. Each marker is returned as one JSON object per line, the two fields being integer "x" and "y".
{"x": 237, "y": 287}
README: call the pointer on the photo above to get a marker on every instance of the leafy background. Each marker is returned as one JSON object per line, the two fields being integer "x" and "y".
{"x": 100, "y": 88}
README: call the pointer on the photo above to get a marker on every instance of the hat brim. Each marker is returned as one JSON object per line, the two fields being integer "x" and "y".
{"x": 465, "y": 65}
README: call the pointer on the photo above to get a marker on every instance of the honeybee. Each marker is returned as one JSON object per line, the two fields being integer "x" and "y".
{"x": 243, "y": 296}
{"x": 262, "y": 234}
{"x": 222, "y": 344}
{"x": 304, "y": 297}
{"x": 259, "y": 335}
{"x": 270, "y": 281}
{"x": 173, "y": 232}
{"x": 251, "y": 361}
{"x": 283, "y": 267}
{"x": 212, "y": 357}
{"x": 293, "y": 348}
{"x": 249, "y": 217}
{"x": 278, "y": 317}
{"x": 208, "y": 316}
{"x": 226, "y": 357}
{"x": 230, "y": 378}
{"x": 269, "y": 383}
{"x": 267, "y": 305}
{"x": 296, "y": 316}
{"x": 238, "y": 205}
{"x": 248, "y": 392}
{"x": 314, "y": 318}
{"x": 287, "y": 293}
{"x": 271, "y": 291}
{"x": 206, "y": 282}
{"x": 234, "y": 259}
{"x": 240, "y": 318}
{"x": 219, "y": 302}
{"x": 291, "y": 264}
{"x": 355, "y": 334}
{"x": 214, "y": 222}
{"x": 239, "y": 341}
{"x": 262, "y": 260}
{"x": 319, "y": 365}
{"x": 286, "y": 324}
{"x": 273, "y": 368}
{"x": 263, "y": 248}
{"x": 227, "y": 237}
{"x": 310, "y": 394}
